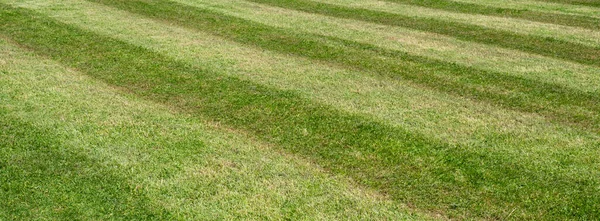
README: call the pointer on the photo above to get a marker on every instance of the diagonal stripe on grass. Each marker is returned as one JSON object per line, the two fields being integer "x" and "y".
{"x": 547, "y": 7}
{"x": 42, "y": 179}
{"x": 187, "y": 166}
{"x": 558, "y": 103}
{"x": 576, "y": 35}
{"x": 425, "y": 44}
{"x": 593, "y": 3}
{"x": 472, "y": 8}
{"x": 438, "y": 116}
{"x": 403, "y": 164}
{"x": 540, "y": 45}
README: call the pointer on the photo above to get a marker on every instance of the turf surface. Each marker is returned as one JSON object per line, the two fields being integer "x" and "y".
{"x": 222, "y": 110}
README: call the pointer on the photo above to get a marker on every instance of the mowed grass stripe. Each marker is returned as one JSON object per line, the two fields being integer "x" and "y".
{"x": 189, "y": 167}
{"x": 547, "y": 46}
{"x": 170, "y": 76}
{"x": 498, "y": 10}
{"x": 592, "y": 3}
{"x": 558, "y": 103}
{"x": 587, "y": 37}
{"x": 43, "y": 178}
{"x": 540, "y": 6}
{"x": 415, "y": 108}
{"x": 425, "y": 44}
{"x": 402, "y": 164}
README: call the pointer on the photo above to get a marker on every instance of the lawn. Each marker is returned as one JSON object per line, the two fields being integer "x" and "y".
{"x": 299, "y": 109}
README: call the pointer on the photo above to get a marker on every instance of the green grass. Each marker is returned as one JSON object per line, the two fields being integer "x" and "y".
{"x": 510, "y": 91}
{"x": 541, "y": 6}
{"x": 414, "y": 42}
{"x": 506, "y": 24}
{"x": 591, "y": 3}
{"x": 544, "y": 46}
{"x": 42, "y": 179}
{"x": 198, "y": 147}
{"x": 134, "y": 159}
{"x": 472, "y": 8}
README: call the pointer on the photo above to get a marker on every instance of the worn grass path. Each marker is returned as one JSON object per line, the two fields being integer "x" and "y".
{"x": 392, "y": 127}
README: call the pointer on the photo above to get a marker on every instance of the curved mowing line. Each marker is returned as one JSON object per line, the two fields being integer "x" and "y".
{"x": 470, "y": 8}
{"x": 553, "y": 101}
{"x": 539, "y": 45}
{"x": 403, "y": 164}
{"x": 42, "y": 176}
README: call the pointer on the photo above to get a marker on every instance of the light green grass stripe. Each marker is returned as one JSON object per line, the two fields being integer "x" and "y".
{"x": 145, "y": 25}
{"x": 520, "y": 26}
{"x": 348, "y": 144}
{"x": 592, "y": 3}
{"x": 481, "y": 56}
{"x": 394, "y": 102}
{"x": 44, "y": 174}
{"x": 192, "y": 168}
{"x": 41, "y": 178}
{"x": 534, "y": 44}
{"x": 540, "y": 6}
{"x": 499, "y": 10}
{"x": 559, "y": 104}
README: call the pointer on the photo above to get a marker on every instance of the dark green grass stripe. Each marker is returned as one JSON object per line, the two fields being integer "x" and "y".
{"x": 533, "y": 44}
{"x": 592, "y": 3}
{"x": 550, "y": 100}
{"x": 470, "y": 8}
{"x": 403, "y": 164}
{"x": 42, "y": 179}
